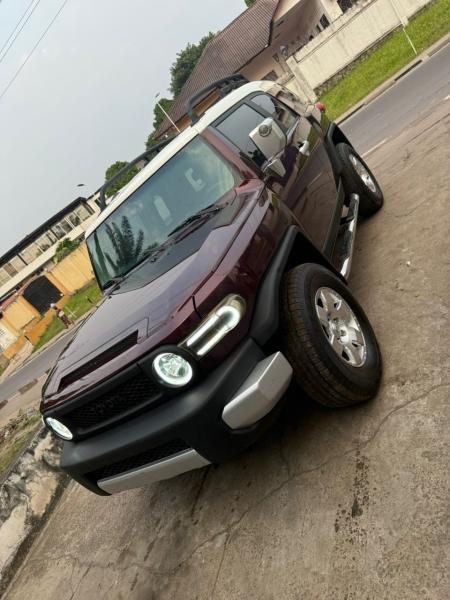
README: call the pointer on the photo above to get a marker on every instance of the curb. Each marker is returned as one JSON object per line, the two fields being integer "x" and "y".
{"x": 418, "y": 60}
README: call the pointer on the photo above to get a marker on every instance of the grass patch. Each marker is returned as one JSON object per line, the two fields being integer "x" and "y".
{"x": 17, "y": 440}
{"x": 82, "y": 301}
{"x": 55, "y": 326}
{"x": 426, "y": 28}
{"x": 77, "y": 306}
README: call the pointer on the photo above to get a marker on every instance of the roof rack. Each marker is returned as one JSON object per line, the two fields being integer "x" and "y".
{"x": 147, "y": 155}
{"x": 223, "y": 86}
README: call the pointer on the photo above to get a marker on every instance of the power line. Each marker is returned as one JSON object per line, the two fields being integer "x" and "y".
{"x": 16, "y": 74}
{"x": 18, "y": 33}
{"x": 17, "y": 25}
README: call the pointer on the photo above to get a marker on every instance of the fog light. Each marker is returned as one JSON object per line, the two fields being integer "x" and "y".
{"x": 59, "y": 428}
{"x": 172, "y": 369}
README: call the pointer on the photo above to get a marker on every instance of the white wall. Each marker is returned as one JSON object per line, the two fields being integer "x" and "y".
{"x": 348, "y": 37}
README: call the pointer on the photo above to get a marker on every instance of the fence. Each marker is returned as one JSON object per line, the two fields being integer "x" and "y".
{"x": 347, "y": 38}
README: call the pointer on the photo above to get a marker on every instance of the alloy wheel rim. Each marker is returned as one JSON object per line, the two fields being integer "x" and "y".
{"x": 341, "y": 327}
{"x": 363, "y": 174}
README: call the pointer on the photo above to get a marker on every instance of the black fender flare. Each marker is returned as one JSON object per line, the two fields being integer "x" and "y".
{"x": 295, "y": 248}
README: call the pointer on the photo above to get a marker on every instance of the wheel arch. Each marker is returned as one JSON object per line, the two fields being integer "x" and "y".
{"x": 295, "y": 249}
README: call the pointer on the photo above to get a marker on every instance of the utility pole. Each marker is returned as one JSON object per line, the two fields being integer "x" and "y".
{"x": 165, "y": 113}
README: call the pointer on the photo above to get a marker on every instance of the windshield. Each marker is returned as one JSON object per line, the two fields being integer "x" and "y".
{"x": 194, "y": 179}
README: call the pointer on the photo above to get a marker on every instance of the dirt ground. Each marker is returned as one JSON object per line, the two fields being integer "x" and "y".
{"x": 331, "y": 504}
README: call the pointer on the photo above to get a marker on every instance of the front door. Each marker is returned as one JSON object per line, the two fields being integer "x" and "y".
{"x": 308, "y": 188}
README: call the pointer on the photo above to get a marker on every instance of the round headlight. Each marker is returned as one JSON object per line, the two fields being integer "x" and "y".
{"x": 59, "y": 428}
{"x": 172, "y": 369}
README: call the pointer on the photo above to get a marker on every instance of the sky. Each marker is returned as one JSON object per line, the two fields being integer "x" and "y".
{"x": 85, "y": 97}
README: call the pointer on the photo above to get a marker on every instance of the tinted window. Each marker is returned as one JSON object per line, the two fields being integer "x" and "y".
{"x": 237, "y": 127}
{"x": 192, "y": 180}
{"x": 278, "y": 111}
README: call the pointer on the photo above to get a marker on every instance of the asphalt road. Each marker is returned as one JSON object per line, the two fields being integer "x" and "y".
{"x": 389, "y": 114}
{"x": 35, "y": 368}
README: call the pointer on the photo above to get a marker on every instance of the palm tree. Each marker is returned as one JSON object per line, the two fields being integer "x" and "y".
{"x": 127, "y": 248}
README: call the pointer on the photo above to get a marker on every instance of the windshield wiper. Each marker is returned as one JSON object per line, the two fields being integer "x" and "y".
{"x": 209, "y": 210}
{"x": 112, "y": 282}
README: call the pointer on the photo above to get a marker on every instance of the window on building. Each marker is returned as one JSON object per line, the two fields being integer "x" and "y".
{"x": 345, "y": 5}
{"x": 17, "y": 263}
{"x": 84, "y": 211}
{"x": 74, "y": 219}
{"x": 278, "y": 111}
{"x": 30, "y": 253}
{"x": 324, "y": 21}
{"x": 10, "y": 269}
{"x": 43, "y": 243}
{"x": 62, "y": 228}
{"x": 4, "y": 277}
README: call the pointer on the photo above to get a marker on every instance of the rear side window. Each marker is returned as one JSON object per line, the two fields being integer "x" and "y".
{"x": 237, "y": 127}
{"x": 277, "y": 111}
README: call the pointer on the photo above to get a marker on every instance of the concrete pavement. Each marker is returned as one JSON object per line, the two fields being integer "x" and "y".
{"x": 331, "y": 504}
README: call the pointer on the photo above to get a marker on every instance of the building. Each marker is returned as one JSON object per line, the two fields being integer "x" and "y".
{"x": 257, "y": 44}
{"x": 34, "y": 254}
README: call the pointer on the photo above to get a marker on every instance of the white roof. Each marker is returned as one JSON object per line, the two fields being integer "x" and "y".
{"x": 178, "y": 143}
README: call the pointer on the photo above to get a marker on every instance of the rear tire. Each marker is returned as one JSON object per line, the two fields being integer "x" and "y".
{"x": 359, "y": 179}
{"x": 335, "y": 371}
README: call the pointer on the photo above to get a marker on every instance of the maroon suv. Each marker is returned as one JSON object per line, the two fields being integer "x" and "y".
{"x": 223, "y": 265}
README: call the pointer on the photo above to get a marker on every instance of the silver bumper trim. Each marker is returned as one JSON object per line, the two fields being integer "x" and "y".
{"x": 259, "y": 393}
{"x": 162, "y": 469}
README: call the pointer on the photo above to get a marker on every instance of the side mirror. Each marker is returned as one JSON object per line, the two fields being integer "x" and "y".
{"x": 269, "y": 138}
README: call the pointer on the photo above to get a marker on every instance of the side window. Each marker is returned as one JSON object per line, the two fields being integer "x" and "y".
{"x": 278, "y": 111}
{"x": 237, "y": 127}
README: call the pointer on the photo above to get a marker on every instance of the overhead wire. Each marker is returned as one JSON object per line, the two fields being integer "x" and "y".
{"x": 46, "y": 30}
{"x": 5, "y": 45}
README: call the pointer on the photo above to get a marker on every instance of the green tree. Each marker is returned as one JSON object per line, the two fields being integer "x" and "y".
{"x": 115, "y": 168}
{"x": 185, "y": 63}
{"x": 250, "y": 2}
{"x": 65, "y": 247}
{"x": 158, "y": 115}
{"x": 126, "y": 247}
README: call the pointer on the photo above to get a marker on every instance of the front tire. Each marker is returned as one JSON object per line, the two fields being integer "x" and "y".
{"x": 359, "y": 179}
{"x": 328, "y": 339}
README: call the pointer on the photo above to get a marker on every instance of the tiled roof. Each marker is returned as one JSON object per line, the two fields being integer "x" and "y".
{"x": 226, "y": 53}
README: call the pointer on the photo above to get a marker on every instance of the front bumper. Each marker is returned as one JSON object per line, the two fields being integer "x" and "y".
{"x": 213, "y": 420}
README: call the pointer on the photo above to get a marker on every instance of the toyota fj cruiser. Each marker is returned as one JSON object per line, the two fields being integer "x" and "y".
{"x": 223, "y": 265}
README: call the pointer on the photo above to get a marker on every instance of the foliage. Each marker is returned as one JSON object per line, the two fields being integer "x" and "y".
{"x": 117, "y": 185}
{"x": 19, "y": 435}
{"x": 151, "y": 140}
{"x": 158, "y": 115}
{"x": 65, "y": 247}
{"x": 55, "y": 326}
{"x": 249, "y": 2}
{"x": 424, "y": 29}
{"x": 185, "y": 62}
{"x": 125, "y": 245}
{"x": 82, "y": 301}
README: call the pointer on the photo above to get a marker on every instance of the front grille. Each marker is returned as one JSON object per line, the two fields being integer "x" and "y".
{"x": 123, "y": 401}
{"x": 139, "y": 460}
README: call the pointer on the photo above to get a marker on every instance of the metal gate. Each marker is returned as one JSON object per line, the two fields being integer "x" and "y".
{"x": 41, "y": 293}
